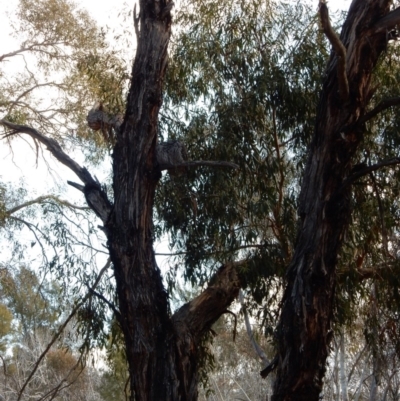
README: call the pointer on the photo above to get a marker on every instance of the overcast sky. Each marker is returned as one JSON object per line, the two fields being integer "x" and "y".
{"x": 12, "y": 166}
{"x": 23, "y": 163}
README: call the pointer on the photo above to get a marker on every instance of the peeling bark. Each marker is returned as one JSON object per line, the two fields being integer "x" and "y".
{"x": 161, "y": 350}
{"x": 304, "y": 331}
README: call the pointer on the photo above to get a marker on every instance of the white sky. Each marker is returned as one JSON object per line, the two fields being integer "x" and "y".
{"x": 22, "y": 163}
{"x": 106, "y": 13}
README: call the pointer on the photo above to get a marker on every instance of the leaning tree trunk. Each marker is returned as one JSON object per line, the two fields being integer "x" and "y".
{"x": 304, "y": 331}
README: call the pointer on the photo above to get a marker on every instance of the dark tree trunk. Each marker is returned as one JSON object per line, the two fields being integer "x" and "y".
{"x": 161, "y": 350}
{"x": 304, "y": 330}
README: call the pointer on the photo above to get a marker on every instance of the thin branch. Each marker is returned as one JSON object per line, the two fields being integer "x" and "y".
{"x": 170, "y": 155}
{"x": 43, "y": 198}
{"x": 105, "y": 300}
{"x": 32, "y": 228}
{"x": 238, "y": 248}
{"x": 62, "y": 327}
{"x": 381, "y": 215}
{"x": 25, "y": 49}
{"x": 339, "y": 49}
{"x": 360, "y": 354}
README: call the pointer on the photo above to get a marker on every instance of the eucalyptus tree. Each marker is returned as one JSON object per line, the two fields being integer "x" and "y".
{"x": 48, "y": 71}
{"x": 241, "y": 227}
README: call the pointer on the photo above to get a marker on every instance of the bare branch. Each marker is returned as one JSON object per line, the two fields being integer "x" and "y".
{"x": 339, "y": 49}
{"x": 33, "y": 47}
{"x": 53, "y": 146}
{"x": 197, "y": 316}
{"x": 368, "y": 169}
{"x": 383, "y": 105}
{"x": 388, "y": 22}
{"x": 98, "y": 200}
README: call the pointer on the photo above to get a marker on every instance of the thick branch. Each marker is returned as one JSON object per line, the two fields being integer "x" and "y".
{"x": 198, "y": 315}
{"x": 388, "y": 22}
{"x": 369, "y": 169}
{"x": 92, "y": 187}
{"x": 383, "y": 105}
{"x": 339, "y": 49}
{"x": 170, "y": 155}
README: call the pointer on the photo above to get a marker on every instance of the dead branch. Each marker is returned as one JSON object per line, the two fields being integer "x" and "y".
{"x": 339, "y": 49}
{"x": 388, "y": 22}
{"x": 91, "y": 185}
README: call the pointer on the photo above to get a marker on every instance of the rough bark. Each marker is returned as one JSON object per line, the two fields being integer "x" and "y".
{"x": 161, "y": 351}
{"x": 304, "y": 331}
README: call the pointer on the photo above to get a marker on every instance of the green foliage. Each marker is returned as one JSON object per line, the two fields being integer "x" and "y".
{"x": 115, "y": 379}
{"x": 5, "y": 324}
{"x": 242, "y": 86}
{"x": 73, "y": 66}
{"x": 34, "y": 303}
